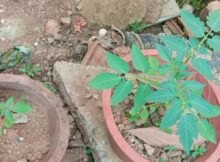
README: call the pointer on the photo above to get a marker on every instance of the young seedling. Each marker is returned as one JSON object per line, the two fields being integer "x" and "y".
{"x": 8, "y": 108}
{"x": 198, "y": 151}
{"x": 30, "y": 70}
{"x": 165, "y": 84}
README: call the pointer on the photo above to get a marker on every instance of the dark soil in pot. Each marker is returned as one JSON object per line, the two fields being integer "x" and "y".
{"x": 28, "y": 141}
{"x": 152, "y": 153}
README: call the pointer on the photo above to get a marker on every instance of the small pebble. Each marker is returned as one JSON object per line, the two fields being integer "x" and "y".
{"x": 102, "y": 32}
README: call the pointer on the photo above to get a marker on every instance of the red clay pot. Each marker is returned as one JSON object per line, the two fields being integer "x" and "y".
{"x": 51, "y": 105}
{"x": 128, "y": 154}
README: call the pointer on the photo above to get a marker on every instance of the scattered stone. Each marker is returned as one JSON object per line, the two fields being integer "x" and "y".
{"x": 20, "y": 118}
{"x": 79, "y": 7}
{"x": 76, "y": 143}
{"x": 66, "y": 21}
{"x": 50, "y": 40}
{"x": 22, "y": 160}
{"x": 102, "y": 32}
{"x": 52, "y": 27}
{"x": 79, "y": 50}
{"x": 19, "y": 139}
{"x": 149, "y": 149}
{"x": 172, "y": 154}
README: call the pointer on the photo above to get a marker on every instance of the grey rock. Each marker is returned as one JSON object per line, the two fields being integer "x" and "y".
{"x": 66, "y": 21}
{"x": 20, "y": 118}
{"x": 73, "y": 80}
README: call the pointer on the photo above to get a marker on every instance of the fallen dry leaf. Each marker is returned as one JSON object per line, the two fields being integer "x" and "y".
{"x": 78, "y": 23}
{"x": 155, "y": 137}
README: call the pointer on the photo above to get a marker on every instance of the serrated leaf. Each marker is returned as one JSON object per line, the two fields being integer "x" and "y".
{"x": 214, "y": 43}
{"x": 21, "y": 107}
{"x": 216, "y": 112}
{"x": 192, "y": 85}
{"x": 116, "y": 63}
{"x": 139, "y": 61}
{"x": 171, "y": 116}
{"x": 153, "y": 62}
{"x": 200, "y": 105}
{"x": 193, "y": 24}
{"x": 121, "y": 92}
{"x": 176, "y": 43}
{"x": 140, "y": 96}
{"x": 187, "y": 130}
{"x": 207, "y": 131}
{"x": 193, "y": 42}
{"x": 144, "y": 114}
{"x": 9, "y": 102}
{"x": 160, "y": 96}
{"x": 104, "y": 81}
{"x": 163, "y": 52}
{"x": 202, "y": 67}
{"x": 214, "y": 20}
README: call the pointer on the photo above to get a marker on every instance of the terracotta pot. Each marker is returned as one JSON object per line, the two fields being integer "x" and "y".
{"x": 52, "y": 106}
{"x": 128, "y": 154}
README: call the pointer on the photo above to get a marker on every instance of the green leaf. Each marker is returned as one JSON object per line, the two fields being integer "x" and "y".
{"x": 187, "y": 130}
{"x": 214, "y": 20}
{"x": 7, "y": 123}
{"x": 1, "y": 131}
{"x": 176, "y": 43}
{"x": 203, "y": 50}
{"x": 121, "y": 92}
{"x": 214, "y": 43}
{"x": 193, "y": 42}
{"x": 105, "y": 81}
{"x": 140, "y": 96}
{"x": 216, "y": 112}
{"x": 116, "y": 63}
{"x": 8, "y": 116}
{"x": 23, "y": 49}
{"x": 153, "y": 62}
{"x": 163, "y": 52}
{"x": 207, "y": 131}
{"x": 9, "y": 102}
{"x": 192, "y": 85}
{"x": 160, "y": 96}
{"x": 138, "y": 59}
{"x": 171, "y": 116}
{"x": 144, "y": 114}
{"x": 21, "y": 107}
{"x": 200, "y": 105}
{"x": 202, "y": 67}
{"x": 193, "y": 24}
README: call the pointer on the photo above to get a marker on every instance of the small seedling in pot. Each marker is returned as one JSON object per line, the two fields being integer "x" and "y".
{"x": 164, "y": 81}
{"x": 10, "y": 107}
{"x": 30, "y": 70}
{"x": 198, "y": 151}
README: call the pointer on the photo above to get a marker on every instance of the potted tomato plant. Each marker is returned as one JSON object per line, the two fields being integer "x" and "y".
{"x": 174, "y": 76}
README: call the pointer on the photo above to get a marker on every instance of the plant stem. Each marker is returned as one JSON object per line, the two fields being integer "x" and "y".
{"x": 192, "y": 53}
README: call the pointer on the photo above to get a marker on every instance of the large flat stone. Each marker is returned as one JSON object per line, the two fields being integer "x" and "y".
{"x": 86, "y": 105}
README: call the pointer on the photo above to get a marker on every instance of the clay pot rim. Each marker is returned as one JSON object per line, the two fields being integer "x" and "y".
{"x": 62, "y": 128}
{"x": 123, "y": 149}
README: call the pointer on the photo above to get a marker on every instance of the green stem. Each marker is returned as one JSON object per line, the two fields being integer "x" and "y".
{"x": 192, "y": 53}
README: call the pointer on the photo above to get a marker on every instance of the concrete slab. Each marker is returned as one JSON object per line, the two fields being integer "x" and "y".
{"x": 86, "y": 105}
